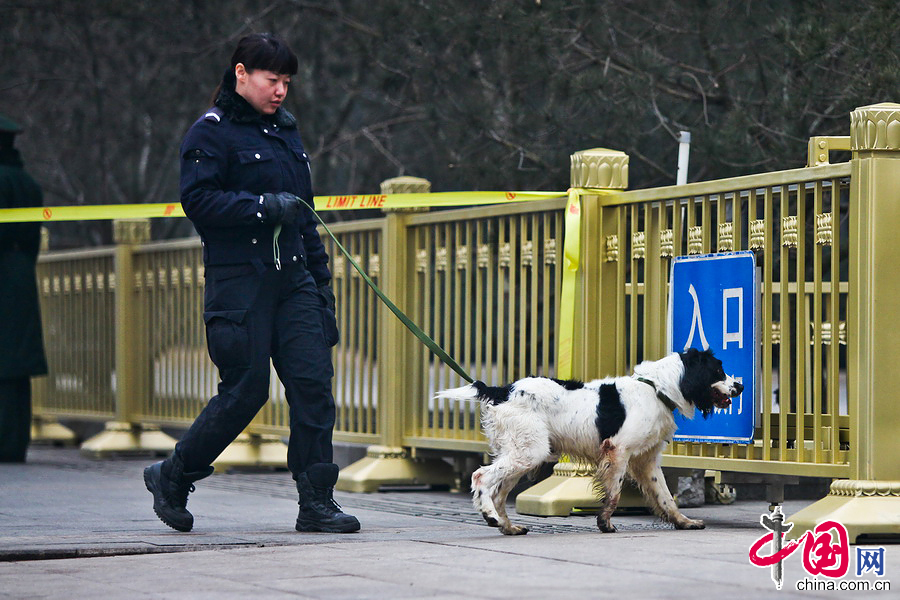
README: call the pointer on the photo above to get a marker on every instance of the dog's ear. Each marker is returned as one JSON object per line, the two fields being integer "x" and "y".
{"x": 699, "y": 375}
{"x": 689, "y": 355}
{"x": 693, "y": 354}
{"x": 693, "y": 357}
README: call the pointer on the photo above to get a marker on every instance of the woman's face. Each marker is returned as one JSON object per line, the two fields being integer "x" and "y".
{"x": 263, "y": 90}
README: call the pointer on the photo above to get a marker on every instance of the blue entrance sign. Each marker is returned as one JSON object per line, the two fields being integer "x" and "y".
{"x": 713, "y": 304}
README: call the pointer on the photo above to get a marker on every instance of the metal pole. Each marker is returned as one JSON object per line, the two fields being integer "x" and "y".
{"x": 684, "y": 153}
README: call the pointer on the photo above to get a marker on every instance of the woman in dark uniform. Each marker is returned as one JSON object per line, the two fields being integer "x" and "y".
{"x": 245, "y": 185}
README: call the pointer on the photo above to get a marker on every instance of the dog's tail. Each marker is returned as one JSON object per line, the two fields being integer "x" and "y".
{"x": 477, "y": 391}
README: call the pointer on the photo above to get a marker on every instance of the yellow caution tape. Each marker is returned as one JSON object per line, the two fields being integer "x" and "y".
{"x": 349, "y": 202}
{"x": 571, "y": 264}
{"x": 571, "y": 261}
{"x": 90, "y": 213}
{"x": 428, "y": 200}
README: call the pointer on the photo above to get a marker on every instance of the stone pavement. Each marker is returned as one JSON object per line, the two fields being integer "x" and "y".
{"x": 77, "y": 528}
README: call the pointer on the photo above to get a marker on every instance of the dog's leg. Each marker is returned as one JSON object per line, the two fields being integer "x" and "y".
{"x": 522, "y": 446}
{"x": 499, "y": 501}
{"x": 610, "y": 476}
{"x": 487, "y": 485}
{"x": 481, "y": 495}
{"x": 645, "y": 470}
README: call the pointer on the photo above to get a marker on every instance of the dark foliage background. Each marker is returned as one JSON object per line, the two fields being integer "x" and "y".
{"x": 469, "y": 94}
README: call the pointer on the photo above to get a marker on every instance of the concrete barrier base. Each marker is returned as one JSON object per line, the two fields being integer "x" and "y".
{"x": 570, "y": 489}
{"x": 387, "y": 466}
{"x": 47, "y": 430}
{"x": 253, "y": 450}
{"x": 128, "y": 438}
{"x": 870, "y": 510}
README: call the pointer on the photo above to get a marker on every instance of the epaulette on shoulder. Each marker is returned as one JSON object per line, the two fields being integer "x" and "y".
{"x": 214, "y": 114}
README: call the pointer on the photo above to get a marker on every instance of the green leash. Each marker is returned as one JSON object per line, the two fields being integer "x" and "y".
{"x": 432, "y": 345}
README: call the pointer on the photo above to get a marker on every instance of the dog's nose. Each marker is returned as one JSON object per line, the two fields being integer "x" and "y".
{"x": 738, "y": 388}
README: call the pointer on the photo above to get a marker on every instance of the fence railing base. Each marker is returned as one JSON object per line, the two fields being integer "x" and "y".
{"x": 253, "y": 450}
{"x": 866, "y": 508}
{"x": 384, "y": 465}
{"x": 569, "y": 488}
{"x": 128, "y": 438}
{"x": 47, "y": 430}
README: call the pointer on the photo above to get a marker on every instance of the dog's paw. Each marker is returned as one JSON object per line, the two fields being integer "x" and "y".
{"x": 490, "y": 520}
{"x": 606, "y": 526}
{"x": 514, "y": 530}
{"x": 690, "y": 524}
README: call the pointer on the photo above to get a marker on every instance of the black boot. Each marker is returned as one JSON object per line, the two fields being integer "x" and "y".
{"x": 318, "y": 510}
{"x": 170, "y": 487}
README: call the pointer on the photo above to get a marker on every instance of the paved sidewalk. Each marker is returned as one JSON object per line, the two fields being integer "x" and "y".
{"x": 76, "y": 528}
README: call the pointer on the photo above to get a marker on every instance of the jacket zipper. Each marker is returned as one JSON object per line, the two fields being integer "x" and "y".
{"x": 276, "y": 251}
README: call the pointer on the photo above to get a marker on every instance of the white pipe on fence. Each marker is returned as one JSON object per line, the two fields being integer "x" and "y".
{"x": 684, "y": 153}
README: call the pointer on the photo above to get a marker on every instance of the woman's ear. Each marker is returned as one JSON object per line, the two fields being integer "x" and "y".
{"x": 240, "y": 72}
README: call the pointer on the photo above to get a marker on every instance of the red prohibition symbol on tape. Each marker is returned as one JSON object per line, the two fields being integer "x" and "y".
{"x": 48, "y": 214}
{"x": 510, "y": 195}
{"x": 168, "y": 210}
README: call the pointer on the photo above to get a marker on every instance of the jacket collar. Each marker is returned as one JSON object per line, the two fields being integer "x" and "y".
{"x": 236, "y": 109}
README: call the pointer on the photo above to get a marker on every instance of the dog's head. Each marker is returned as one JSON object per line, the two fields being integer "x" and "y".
{"x": 705, "y": 383}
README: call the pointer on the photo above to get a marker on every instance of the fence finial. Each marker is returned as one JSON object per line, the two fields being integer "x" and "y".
{"x": 600, "y": 168}
{"x": 875, "y": 127}
{"x": 405, "y": 185}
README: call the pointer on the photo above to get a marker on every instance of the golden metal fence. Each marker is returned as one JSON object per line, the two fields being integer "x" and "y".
{"x": 125, "y": 338}
{"x": 177, "y": 376}
{"x": 77, "y": 292}
{"x": 484, "y": 283}
{"x": 357, "y": 357}
{"x": 486, "y": 287}
{"x": 797, "y": 224}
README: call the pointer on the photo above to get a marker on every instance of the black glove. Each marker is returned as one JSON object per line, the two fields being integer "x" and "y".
{"x": 328, "y": 294}
{"x": 282, "y": 207}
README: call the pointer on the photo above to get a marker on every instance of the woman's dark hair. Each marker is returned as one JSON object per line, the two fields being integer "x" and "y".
{"x": 264, "y": 51}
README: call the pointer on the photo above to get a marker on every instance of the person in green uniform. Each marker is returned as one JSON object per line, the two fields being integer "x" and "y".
{"x": 21, "y": 343}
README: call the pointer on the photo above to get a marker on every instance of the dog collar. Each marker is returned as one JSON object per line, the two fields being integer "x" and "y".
{"x": 662, "y": 397}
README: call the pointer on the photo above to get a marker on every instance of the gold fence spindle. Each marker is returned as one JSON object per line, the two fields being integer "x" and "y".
{"x": 817, "y": 328}
{"x": 371, "y": 303}
{"x": 801, "y": 330}
{"x": 785, "y": 383}
{"x": 834, "y": 380}
{"x": 766, "y": 320}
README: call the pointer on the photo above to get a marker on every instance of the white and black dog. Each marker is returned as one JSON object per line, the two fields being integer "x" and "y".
{"x": 619, "y": 424}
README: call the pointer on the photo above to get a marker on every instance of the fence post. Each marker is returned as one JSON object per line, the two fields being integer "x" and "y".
{"x": 594, "y": 340}
{"x": 125, "y": 434}
{"x": 869, "y": 503}
{"x": 390, "y": 463}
